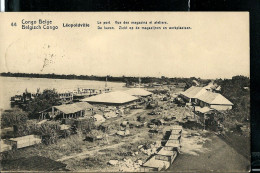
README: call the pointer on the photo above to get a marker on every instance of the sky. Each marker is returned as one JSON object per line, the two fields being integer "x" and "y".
{"x": 217, "y": 46}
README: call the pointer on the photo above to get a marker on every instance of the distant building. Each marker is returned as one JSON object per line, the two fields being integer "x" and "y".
{"x": 138, "y": 92}
{"x": 214, "y": 100}
{"x": 211, "y": 86}
{"x": 200, "y": 96}
{"x": 116, "y": 98}
{"x": 191, "y": 94}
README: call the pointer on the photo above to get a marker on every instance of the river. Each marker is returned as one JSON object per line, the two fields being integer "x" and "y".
{"x": 10, "y": 86}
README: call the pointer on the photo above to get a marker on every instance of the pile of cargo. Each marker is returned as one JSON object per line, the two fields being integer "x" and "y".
{"x": 166, "y": 154}
{"x": 24, "y": 141}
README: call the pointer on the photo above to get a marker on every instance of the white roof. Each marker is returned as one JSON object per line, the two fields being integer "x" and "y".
{"x": 214, "y": 98}
{"x": 194, "y": 92}
{"x": 117, "y": 97}
{"x": 138, "y": 92}
{"x": 74, "y": 107}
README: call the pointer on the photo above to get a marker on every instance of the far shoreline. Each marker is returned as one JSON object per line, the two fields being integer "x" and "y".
{"x": 60, "y": 78}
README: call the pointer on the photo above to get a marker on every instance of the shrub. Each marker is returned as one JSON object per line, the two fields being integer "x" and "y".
{"x": 13, "y": 117}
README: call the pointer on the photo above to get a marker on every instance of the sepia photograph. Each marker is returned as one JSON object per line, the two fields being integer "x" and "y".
{"x": 125, "y": 92}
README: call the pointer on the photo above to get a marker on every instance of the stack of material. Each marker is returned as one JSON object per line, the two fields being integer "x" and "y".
{"x": 176, "y": 129}
{"x": 155, "y": 165}
{"x": 175, "y": 137}
{"x": 173, "y": 143}
{"x": 167, "y": 154}
{"x": 24, "y": 141}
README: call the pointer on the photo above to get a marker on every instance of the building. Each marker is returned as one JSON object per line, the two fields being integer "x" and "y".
{"x": 191, "y": 94}
{"x": 74, "y": 110}
{"x": 211, "y": 86}
{"x": 202, "y": 114}
{"x": 138, "y": 92}
{"x": 116, "y": 98}
{"x": 214, "y": 100}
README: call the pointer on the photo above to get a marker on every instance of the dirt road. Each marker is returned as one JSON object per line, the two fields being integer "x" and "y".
{"x": 89, "y": 152}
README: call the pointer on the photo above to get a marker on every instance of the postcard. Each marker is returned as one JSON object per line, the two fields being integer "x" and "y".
{"x": 125, "y": 91}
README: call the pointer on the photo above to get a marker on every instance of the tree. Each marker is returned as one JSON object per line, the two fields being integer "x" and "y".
{"x": 13, "y": 117}
{"x": 233, "y": 90}
{"x": 44, "y": 101}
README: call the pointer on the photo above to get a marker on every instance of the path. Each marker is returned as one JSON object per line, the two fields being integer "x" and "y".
{"x": 92, "y": 151}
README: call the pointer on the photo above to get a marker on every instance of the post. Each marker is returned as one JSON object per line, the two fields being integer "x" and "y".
{"x": 52, "y": 111}
{"x": 204, "y": 122}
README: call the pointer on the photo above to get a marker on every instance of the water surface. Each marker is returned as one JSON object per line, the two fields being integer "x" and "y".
{"x": 10, "y": 86}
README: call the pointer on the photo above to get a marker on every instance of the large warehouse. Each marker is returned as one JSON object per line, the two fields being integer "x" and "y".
{"x": 116, "y": 98}
{"x": 138, "y": 92}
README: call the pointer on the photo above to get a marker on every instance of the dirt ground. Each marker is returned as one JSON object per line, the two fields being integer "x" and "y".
{"x": 212, "y": 154}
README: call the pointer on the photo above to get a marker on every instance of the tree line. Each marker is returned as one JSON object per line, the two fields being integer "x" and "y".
{"x": 129, "y": 80}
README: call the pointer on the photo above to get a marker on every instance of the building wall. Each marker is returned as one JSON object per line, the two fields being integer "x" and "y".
{"x": 221, "y": 107}
{"x": 186, "y": 99}
{"x": 217, "y": 107}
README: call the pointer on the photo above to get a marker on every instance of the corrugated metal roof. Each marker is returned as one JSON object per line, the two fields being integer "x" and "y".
{"x": 118, "y": 97}
{"x": 194, "y": 92}
{"x": 75, "y": 107}
{"x": 214, "y": 98}
{"x": 138, "y": 92}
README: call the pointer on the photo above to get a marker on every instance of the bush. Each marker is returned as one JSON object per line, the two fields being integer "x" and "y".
{"x": 13, "y": 117}
{"x": 49, "y": 131}
{"x": 44, "y": 101}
